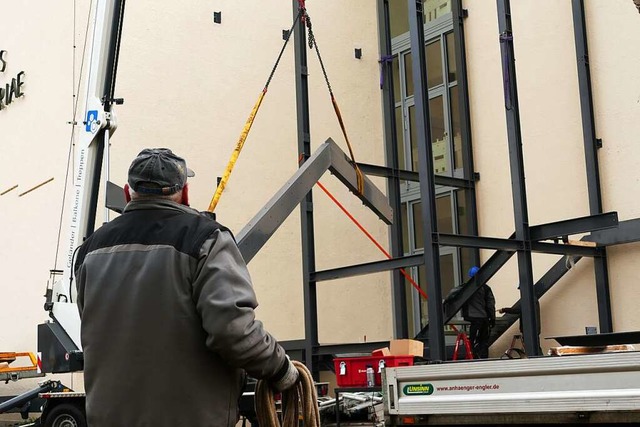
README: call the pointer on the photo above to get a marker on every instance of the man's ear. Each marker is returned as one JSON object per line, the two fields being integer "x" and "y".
{"x": 185, "y": 194}
{"x": 127, "y": 193}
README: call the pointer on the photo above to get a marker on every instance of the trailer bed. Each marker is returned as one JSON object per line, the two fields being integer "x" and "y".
{"x": 546, "y": 389}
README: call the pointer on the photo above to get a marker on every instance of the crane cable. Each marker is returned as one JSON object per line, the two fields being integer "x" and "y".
{"x": 300, "y": 398}
{"x": 247, "y": 127}
{"x": 304, "y": 17}
{"x": 314, "y": 44}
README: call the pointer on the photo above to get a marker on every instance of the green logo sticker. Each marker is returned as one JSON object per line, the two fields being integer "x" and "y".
{"x": 418, "y": 389}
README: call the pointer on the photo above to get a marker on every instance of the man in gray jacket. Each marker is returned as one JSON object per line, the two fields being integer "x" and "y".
{"x": 167, "y": 308}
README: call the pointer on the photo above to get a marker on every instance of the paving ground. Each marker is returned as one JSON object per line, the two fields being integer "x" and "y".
{"x": 7, "y": 420}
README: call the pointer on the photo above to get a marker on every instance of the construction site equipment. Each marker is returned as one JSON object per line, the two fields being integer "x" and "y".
{"x": 14, "y": 373}
{"x": 23, "y": 401}
{"x": 352, "y": 371}
{"x": 355, "y": 405}
{"x": 584, "y": 388}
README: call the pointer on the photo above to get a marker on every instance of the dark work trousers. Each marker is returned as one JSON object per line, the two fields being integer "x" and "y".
{"x": 479, "y": 337}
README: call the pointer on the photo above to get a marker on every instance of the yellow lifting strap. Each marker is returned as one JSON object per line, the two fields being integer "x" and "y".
{"x": 236, "y": 152}
{"x": 249, "y": 123}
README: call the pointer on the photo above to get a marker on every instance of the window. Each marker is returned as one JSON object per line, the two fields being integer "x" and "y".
{"x": 446, "y": 140}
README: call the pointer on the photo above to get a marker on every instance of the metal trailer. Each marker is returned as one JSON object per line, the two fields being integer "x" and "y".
{"x": 595, "y": 388}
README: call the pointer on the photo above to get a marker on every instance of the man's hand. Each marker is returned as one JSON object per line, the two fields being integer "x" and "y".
{"x": 289, "y": 379}
{"x": 502, "y": 310}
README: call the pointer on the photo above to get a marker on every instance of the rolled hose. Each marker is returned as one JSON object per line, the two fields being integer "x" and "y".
{"x": 299, "y": 400}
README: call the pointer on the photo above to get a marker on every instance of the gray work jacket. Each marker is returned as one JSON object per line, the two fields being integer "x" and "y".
{"x": 168, "y": 325}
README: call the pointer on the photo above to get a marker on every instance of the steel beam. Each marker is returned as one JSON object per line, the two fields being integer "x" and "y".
{"x": 398, "y": 294}
{"x": 327, "y": 157}
{"x": 306, "y": 205}
{"x": 585, "y": 224}
{"x": 427, "y": 184}
{"x": 626, "y": 232}
{"x": 518, "y": 188}
{"x": 459, "y": 240}
{"x": 459, "y": 13}
{"x": 560, "y": 249}
{"x": 368, "y": 268}
{"x": 405, "y": 175}
{"x": 262, "y": 226}
{"x": 591, "y": 158}
{"x": 372, "y": 197}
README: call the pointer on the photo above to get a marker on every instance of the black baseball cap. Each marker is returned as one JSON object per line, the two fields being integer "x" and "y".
{"x": 158, "y": 171}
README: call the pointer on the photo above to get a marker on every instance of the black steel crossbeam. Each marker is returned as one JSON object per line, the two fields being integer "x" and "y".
{"x": 626, "y": 232}
{"x": 572, "y": 226}
{"x": 560, "y": 249}
{"x": 512, "y": 245}
{"x": 461, "y": 240}
{"x": 385, "y": 172}
{"x": 458, "y": 240}
{"x": 367, "y": 268}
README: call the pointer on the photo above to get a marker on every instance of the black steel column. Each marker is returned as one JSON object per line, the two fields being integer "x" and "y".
{"x": 427, "y": 185}
{"x": 399, "y": 294}
{"x": 591, "y": 146}
{"x": 306, "y": 207}
{"x": 525, "y": 269}
{"x": 465, "y": 124}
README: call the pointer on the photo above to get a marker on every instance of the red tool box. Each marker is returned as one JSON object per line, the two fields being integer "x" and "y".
{"x": 352, "y": 371}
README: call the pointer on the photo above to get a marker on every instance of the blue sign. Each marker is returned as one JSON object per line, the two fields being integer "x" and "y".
{"x": 92, "y": 117}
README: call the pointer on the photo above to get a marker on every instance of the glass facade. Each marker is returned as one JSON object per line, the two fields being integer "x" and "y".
{"x": 446, "y": 140}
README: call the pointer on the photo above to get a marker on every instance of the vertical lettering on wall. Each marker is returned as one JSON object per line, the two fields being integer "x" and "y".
{"x": 10, "y": 91}
{"x": 3, "y": 61}
{"x": 20, "y": 80}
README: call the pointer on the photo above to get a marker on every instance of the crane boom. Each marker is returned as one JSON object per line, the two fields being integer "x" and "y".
{"x": 61, "y": 336}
